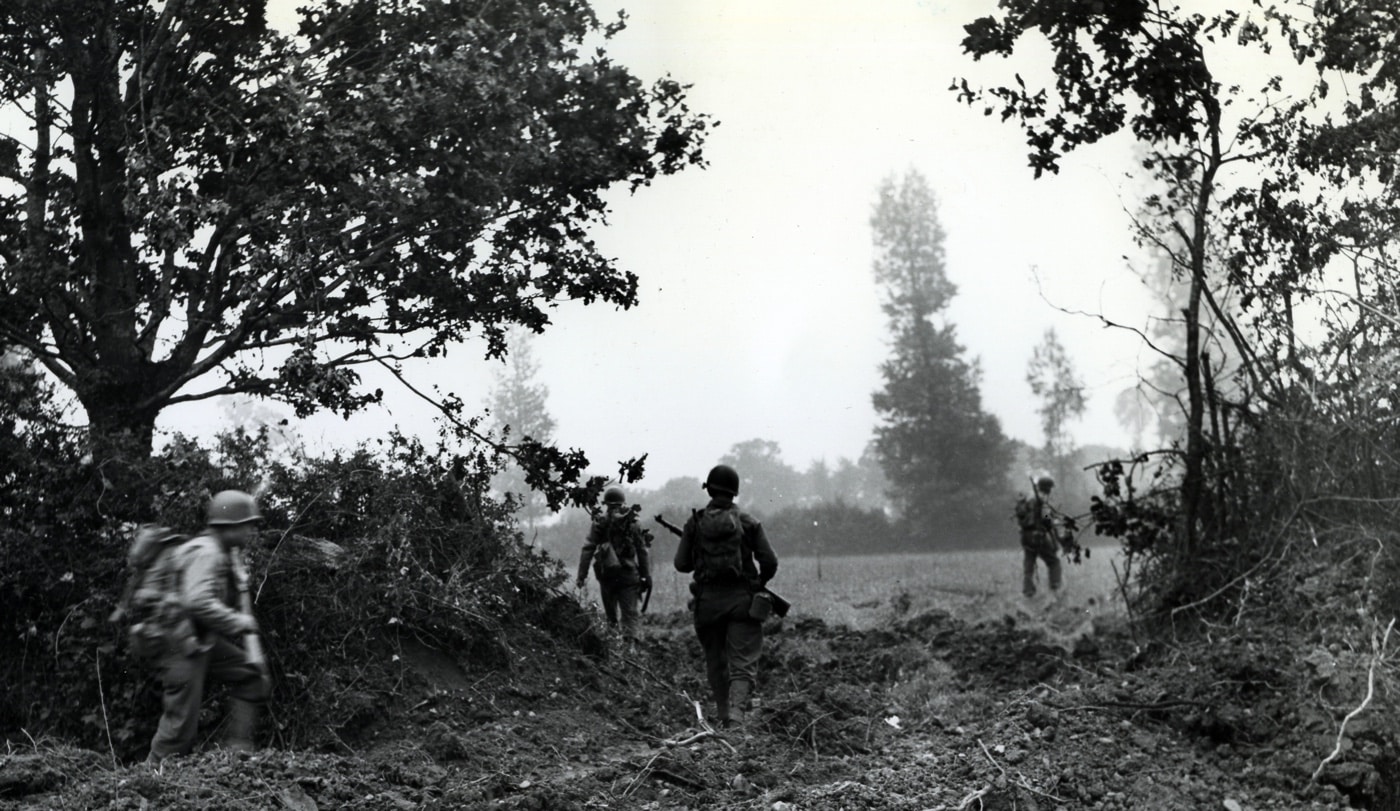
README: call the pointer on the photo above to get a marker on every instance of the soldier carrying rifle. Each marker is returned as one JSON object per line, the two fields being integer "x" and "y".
{"x": 1039, "y": 540}
{"x": 731, "y": 561}
{"x": 617, "y": 549}
{"x": 223, "y": 645}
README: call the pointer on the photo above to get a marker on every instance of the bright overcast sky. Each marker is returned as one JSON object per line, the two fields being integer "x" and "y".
{"x": 758, "y": 314}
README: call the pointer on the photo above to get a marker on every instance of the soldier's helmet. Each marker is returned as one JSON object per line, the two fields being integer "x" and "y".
{"x": 614, "y": 495}
{"x": 231, "y": 507}
{"x": 722, "y": 479}
{"x": 1044, "y": 481}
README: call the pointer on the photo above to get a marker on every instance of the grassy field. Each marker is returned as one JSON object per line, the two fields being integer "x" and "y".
{"x": 860, "y": 591}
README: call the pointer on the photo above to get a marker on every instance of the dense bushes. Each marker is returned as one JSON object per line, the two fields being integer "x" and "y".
{"x": 360, "y": 552}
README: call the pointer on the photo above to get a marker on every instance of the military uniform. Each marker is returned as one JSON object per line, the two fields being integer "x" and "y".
{"x": 1034, "y": 514}
{"x": 620, "y": 587}
{"x": 209, "y": 592}
{"x": 730, "y": 635}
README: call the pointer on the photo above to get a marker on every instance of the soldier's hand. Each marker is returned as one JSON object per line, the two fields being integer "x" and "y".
{"x": 579, "y": 583}
{"x": 247, "y": 624}
{"x": 646, "y": 582}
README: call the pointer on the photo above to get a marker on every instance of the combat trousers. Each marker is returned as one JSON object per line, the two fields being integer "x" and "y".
{"x": 182, "y": 681}
{"x": 622, "y": 594}
{"x": 1040, "y": 549}
{"x": 732, "y": 641}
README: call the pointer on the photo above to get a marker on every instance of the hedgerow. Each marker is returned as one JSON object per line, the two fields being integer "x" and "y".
{"x": 360, "y": 553}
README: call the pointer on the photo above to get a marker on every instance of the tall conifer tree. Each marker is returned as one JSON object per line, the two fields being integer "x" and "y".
{"x": 946, "y": 458}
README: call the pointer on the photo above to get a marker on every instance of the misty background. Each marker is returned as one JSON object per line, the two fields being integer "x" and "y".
{"x": 759, "y": 335}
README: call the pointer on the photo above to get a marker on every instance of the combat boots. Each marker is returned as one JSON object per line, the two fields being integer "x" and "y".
{"x": 242, "y": 717}
{"x": 738, "y": 703}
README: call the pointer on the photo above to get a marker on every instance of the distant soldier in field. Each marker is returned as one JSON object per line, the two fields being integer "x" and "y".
{"x": 212, "y": 579}
{"x": 1035, "y": 516}
{"x": 732, "y": 562}
{"x": 618, "y": 550}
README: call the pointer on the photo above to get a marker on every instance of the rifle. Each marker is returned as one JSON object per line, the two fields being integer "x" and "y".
{"x": 252, "y": 643}
{"x": 675, "y": 530}
{"x": 780, "y": 606}
{"x": 1067, "y": 540}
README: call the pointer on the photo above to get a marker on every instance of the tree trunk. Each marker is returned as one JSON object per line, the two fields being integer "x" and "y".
{"x": 120, "y": 440}
{"x": 1194, "y": 476}
{"x": 1193, "y": 481}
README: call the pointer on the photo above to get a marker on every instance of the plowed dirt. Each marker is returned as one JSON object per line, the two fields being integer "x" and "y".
{"x": 1033, "y": 707}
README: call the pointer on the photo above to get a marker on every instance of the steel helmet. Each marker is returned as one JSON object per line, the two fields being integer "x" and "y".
{"x": 614, "y": 495}
{"x": 230, "y": 507}
{"x": 1044, "y": 480}
{"x": 723, "y": 479}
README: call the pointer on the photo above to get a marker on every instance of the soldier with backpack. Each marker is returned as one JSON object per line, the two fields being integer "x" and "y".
{"x": 732, "y": 563}
{"x": 1035, "y": 517}
{"x": 210, "y": 586}
{"x": 618, "y": 550}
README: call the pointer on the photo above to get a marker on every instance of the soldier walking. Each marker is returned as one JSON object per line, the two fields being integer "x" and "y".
{"x": 732, "y": 562}
{"x": 1035, "y": 517}
{"x": 212, "y": 580}
{"x": 618, "y": 550}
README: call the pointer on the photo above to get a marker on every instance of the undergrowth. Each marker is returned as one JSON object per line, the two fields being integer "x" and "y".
{"x": 359, "y": 554}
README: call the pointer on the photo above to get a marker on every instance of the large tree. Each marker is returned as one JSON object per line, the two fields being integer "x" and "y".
{"x": 1144, "y": 67}
{"x": 767, "y": 483}
{"x": 205, "y": 206}
{"x": 1275, "y": 203}
{"x": 944, "y": 456}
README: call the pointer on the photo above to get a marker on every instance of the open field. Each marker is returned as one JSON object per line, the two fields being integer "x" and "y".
{"x": 859, "y": 591}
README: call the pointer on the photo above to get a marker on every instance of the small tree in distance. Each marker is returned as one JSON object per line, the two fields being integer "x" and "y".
{"x": 519, "y": 409}
{"x": 1054, "y": 381}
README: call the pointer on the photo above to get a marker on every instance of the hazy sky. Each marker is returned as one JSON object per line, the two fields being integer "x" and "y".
{"x": 758, "y": 315}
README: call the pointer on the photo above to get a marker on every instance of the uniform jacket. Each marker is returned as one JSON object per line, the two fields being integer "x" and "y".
{"x": 210, "y": 591}
{"x": 759, "y": 561}
{"x": 1036, "y": 515}
{"x": 638, "y": 565}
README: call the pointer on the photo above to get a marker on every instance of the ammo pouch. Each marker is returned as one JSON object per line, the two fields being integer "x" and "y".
{"x": 605, "y": 560}
{"x": 154, "y": 640}
{"x": 760, "y": 606}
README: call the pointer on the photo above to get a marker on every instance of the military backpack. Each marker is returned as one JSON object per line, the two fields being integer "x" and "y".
{"x": 152, "y": 605}
{"x": 719, "y": 539}
{"x": 1028, "y": 513}
{"x": 616, "y": 546}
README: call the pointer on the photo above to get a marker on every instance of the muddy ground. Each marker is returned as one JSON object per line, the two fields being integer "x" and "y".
{"x": 1040, "y": 707}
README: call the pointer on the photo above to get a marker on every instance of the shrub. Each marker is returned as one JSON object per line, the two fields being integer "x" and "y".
{"x": 360, "y": 552}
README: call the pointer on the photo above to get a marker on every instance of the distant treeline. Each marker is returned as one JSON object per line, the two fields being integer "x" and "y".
{"x": 832, "y": 512}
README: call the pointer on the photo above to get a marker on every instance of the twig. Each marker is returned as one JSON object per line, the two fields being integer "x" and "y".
{"x": 706, "y": 731}
{"x": 643, "y": 668}
{"x": 641, "y": 775}
{"x": 672, "y": 777}
{"x": 699, "y": 736}
{"x": 1226, "y": 587}
{"x": 813, "y": 726}
{"x": 1027, "y": 787}
{"x": 989, "y": 757}
{"x": 1370, "y": 692}
{"x": 976, "y": 795}
{"x": 340, "y": 741}
{"x": 102, "y": 697}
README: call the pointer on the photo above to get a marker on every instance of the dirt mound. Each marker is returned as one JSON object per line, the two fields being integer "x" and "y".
{"x": 924, "y": 712}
